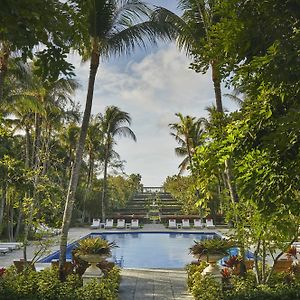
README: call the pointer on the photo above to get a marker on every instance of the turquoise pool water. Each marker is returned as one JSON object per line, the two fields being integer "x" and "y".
{"x": 148, "y": 250}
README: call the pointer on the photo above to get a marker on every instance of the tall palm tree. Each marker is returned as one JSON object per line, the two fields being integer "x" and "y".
{"x": 193, "y": 28}
{"x": 113, "y": 123}
{"x": 193, "y": 35}
{"x": 114, "y": 27}
{"x": 188, "y": 132}
{"x": 95, "y": 150}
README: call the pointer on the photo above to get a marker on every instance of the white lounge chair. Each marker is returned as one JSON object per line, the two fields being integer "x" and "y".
{"x": 186, "y": 223}
{"x": 198, "y": 223}
{"x": 210, "y": 223}
{"x": 120, "y": 223}
{"x": 109, "y": 223}
{"x": 172, "y": 224}
{"x": 11, "y": 245}
{"x": 46, "y": 230}
{"x": 4, "y": 250}
{"x": 134, "y": 224}
{"x": 96, "y": 224}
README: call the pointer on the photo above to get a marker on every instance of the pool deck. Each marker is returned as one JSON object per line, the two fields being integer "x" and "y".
{"x": 136, "y": 284}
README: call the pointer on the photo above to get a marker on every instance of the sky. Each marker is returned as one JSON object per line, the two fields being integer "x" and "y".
{"x": 151, "y": 86}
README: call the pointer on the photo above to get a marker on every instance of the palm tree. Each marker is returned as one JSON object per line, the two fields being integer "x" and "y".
{"x": 193, "y": 30}
{"x": 193, "y": 35}
{"x": 114, "y": 27}
{"x": 94, "y": 149}
{"x": 38, "y": 107}
{"x": 113, "y": 123}
{"x": 189, "y": 134}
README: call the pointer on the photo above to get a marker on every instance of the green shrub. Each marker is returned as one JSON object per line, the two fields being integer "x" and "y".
{"x": 207, "y": 288}
{"x": 45, "y": 285}
{"x": 194, "y": 273}
{"x": 280, "y": 287}
{"x": 263, "y": 292}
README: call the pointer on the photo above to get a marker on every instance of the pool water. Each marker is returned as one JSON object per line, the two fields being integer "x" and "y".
{"x": 148, "y": 250}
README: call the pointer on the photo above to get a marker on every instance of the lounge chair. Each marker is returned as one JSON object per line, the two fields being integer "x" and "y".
{"x": 4, "y": 250}
{"x": 134, "y": 224}
{"x": 11, "y": 245}
{"x": 186, "y": 223}
{"x": 172, "y": 224}
{"x": 46, "y": 230}
{"x": 210, "y": 223}
{"x": 198, "y": 223}
{"x": 120, "y": 223}
{"x": 96, "y": 224}
{"x": 109, "y": 223}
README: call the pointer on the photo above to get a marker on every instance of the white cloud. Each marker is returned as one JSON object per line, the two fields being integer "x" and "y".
{"x": 152, "y": 90}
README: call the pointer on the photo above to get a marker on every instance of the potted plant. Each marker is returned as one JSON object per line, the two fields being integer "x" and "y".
{"x": 212, "y": 250}
{"x": 93, "y": 251}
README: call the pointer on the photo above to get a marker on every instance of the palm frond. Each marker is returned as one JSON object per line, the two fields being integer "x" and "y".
{"x": 183, "y": 166}
{"x": 181, "y": 151}
{"x": 126, "y": 132}
{"x": 234, "y": 98}
{"x": 131, "y": 11}
{"x": 124, "y": 40}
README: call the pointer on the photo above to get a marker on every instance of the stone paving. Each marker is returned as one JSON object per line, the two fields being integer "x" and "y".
{"x": 153, "y": 284}
{"x": 74, "y": 234}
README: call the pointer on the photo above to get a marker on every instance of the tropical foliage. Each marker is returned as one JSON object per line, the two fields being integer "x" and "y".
{"x": 46, "y": 285}
{"x": 94, "y": 246}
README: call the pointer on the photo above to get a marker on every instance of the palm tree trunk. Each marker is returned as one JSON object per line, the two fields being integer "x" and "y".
{"x": 3, "y": 66}
{"x": 3, "y": 201}
{"x": 36, "y": 161}
{"x": 88, "y": 187}
{"x": 77, "y": 163}
{"x": 27, "y": 148}
{"x": 218, "y": 96}
{"x": 217, "y": 86}
{"x": 104, "y": 185}
{"x": 10, "y": 223}
{"x": 46, "y": 151}
{"x": 19, "y": 222}
{"x": 37, "y": 139}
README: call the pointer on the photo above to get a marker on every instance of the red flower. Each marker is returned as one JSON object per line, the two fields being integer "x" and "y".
{"x": 292, "y": 251}
{"x": 232, "y": 262}
{"x": 225, "y": 273}
{"x": 2, "y": 271}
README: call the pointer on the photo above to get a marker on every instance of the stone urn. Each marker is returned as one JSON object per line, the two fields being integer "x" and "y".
{"x": 213, "y": 269}
{"x": 92, "y": 271}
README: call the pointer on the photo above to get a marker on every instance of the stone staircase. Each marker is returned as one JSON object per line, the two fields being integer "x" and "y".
{"x": 141, "y": 205}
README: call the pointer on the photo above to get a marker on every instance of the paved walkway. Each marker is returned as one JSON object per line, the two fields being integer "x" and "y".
{"x": 153, "y": 284}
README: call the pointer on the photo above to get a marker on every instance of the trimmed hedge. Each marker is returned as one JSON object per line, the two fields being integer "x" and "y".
{"x": 31, "y": 285}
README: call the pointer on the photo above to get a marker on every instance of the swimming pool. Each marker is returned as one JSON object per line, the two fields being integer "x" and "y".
{"x": 149, "y": 250}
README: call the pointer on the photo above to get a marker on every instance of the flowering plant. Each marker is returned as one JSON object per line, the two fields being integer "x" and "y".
{"x": 292, "y": 251}
{"x": 2, "y": 271}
